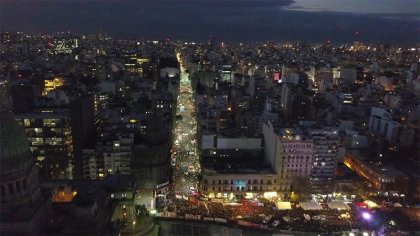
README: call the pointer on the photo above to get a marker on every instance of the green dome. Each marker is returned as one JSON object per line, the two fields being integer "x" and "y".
{"x": 14, "y": 145}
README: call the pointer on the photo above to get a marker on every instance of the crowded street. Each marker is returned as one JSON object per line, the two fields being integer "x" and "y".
{"x": 362, "y": 218}
{"x": 184, "y": 154}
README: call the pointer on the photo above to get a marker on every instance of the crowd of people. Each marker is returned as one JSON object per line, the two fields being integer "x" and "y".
{"x": 262, "y": 213}
{"x": 266, "y": 215}
{"x": 185, "y": 159}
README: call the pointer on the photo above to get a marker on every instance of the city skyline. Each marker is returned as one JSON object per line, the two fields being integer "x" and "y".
{"x": 235, "y": 21}
{"x": 128, "y": 134}
{"x": 209, "y": 117}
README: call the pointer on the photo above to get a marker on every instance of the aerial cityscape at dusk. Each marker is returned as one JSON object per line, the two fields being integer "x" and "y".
{"x": 205, "y": 117}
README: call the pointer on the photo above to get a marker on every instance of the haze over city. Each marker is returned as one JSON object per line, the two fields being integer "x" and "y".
{"x": 234, "y": 20}
{"x": 209, "y": 117}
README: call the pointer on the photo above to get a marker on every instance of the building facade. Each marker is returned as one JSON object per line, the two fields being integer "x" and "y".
{"x": 295, "y": 157}
{"x": 223, "y": 183}
{"x": 382, "y": 178}
{"x": 289, "y": 153}
{"x": 326, "y": 143}
{"x": 50, "y": 138}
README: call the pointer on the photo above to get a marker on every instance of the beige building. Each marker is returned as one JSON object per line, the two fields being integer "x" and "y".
{"x": 216, "y": 182}
{"x": 290, "y": 154}
{"x": 294, "y": 154}
{"x": 385, "y": 178}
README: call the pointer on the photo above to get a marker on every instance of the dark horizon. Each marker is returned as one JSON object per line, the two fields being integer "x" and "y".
{"x": 229, "y": 21}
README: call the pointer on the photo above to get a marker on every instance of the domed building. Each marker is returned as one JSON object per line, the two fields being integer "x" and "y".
{"x": 23, "y": 208}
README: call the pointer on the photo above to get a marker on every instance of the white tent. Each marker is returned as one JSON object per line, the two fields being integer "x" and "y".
{"x": 338, "y": 205}
{"x": 310, "y": 206}
{"x": 283, "y": 205}
{"x": 397, "y": 205}
{"x": 371, "y": 204}
{"x": 344, "y": 216}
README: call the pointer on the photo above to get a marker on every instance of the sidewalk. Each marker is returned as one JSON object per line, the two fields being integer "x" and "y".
{"x": 144, "y": 225}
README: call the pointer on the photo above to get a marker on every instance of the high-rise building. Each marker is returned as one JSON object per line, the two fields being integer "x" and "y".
{"x": 326, "y": 143}
{"x": 83, "y": 130}
{"x": 381, "y": 123}
{"x": 57, "y": 137}
{"x": 290, "y": 154}
{"x": 226, "y": 73}
{"x": 286, "y": 97}
{"x": 23, "y": 97}
{"x": 301, "y": 107}
{"x": 25, "y": 50}
{"x": 50, "y": 138}
{"x": 65, "y": 45}
{"x": 295, "y": 157}
{"x": 257, "y": 91}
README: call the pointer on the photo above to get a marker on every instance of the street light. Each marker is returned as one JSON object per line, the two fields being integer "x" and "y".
{"x": 366, "y": 215}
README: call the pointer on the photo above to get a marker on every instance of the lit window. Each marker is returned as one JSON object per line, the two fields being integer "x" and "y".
{"x": 27, "y": 122}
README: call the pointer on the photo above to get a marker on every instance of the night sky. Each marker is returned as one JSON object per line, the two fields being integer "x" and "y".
{"x": 390, "y": 21}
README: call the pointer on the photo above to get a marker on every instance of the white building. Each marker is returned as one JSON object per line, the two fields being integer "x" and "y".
{"x": 290, "y": 154}
{"x": 223, "y": 183}
{"x": 378, "y": 118}
{"x": 226, "y": 73}
{"x": 295, "y": 157}
{"x": 381, "y": 123}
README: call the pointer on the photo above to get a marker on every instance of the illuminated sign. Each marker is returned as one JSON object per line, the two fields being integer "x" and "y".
{"x": 276, "y": 76}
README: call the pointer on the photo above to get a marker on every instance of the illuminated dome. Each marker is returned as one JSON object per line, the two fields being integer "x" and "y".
{"x": 14, "y": 148}
{"x": 19, "y": 184}
{"x": 23, "y": 209}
